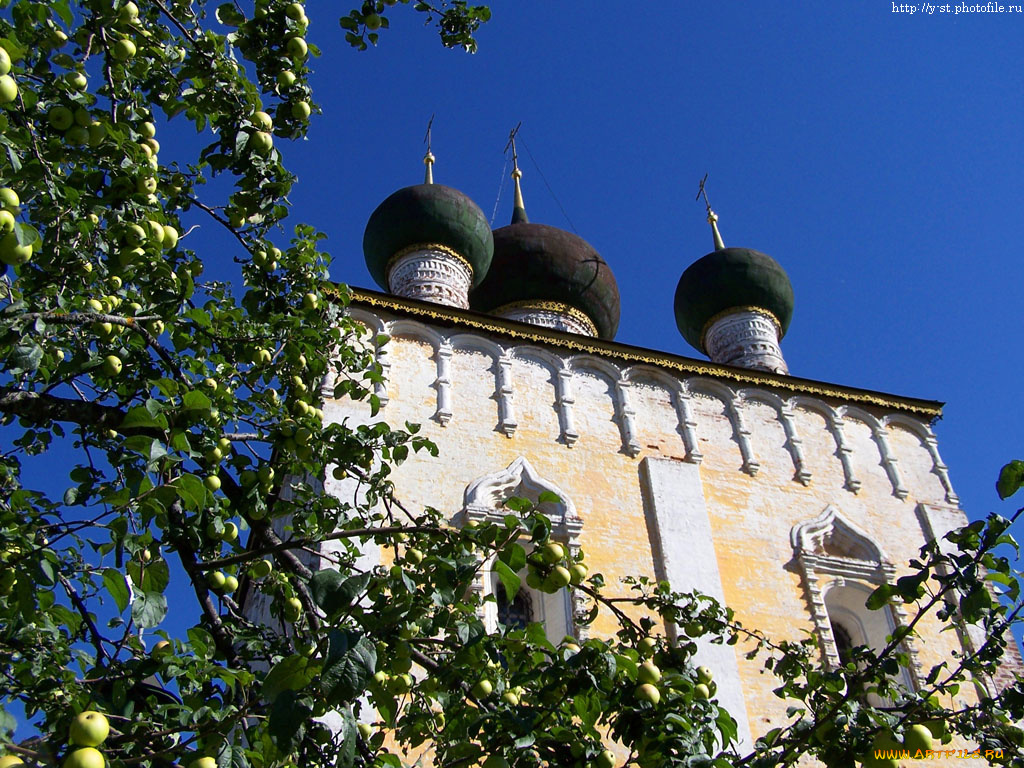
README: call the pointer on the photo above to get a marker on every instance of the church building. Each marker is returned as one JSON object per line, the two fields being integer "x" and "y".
{"x": 788, "y": 499}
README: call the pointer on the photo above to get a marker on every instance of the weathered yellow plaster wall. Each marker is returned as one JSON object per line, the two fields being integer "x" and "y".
{"x": 751, "y": 512}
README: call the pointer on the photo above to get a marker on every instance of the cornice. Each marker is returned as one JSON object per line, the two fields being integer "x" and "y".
{"x": 460, "y": 318}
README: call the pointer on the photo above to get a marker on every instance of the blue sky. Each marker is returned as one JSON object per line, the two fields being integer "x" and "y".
{"x": 876, "y": 155}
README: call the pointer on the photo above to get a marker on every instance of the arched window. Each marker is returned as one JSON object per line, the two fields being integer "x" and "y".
{"x": 515, "y": 613}
{"x": 841, "y": 566}
{"x": 483, "y": 502}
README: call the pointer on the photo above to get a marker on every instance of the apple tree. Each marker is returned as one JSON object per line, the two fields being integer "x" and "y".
{"x": 163, "y": 448}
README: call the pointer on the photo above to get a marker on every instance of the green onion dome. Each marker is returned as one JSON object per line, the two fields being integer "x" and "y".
{"x": 424, "y": 216}
{"x": 731, "y": 279}
{"x": 538, "y": 265}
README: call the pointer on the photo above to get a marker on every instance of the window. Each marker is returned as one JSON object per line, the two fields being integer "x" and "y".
{"x": 483, "y": 503}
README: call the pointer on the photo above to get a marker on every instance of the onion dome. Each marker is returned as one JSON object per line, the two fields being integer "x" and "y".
{"x": 744, "y": 285}
{"x": 431, "y": 221}
{"x": 547, "y": 276}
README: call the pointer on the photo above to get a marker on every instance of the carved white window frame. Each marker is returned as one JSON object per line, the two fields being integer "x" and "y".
{"x": 822, "y": 572}
{"x": 482, "y": 503}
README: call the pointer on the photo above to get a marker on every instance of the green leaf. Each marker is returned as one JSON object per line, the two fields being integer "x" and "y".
{"x": 514, "y": 556}
{"x": 549, "y": 497}
{"x": 347, "y": 754}
{"x": 351, "y": 661}
{"x": 116, "y": 585}
{"x": 880, "y": 597}
{"x": 1011, "y": 478}
{"x": 292, "y": 673}
{"x": 333, "y": 593}
{"x": 140, "y": 416}
{"x": 191, "y": 491}
{"x": 194, "y": 400}
{"x": 288, "y": 716}
{"x": 25, "y": 357}
{"x": 149, "y": 609}
{"x": 509, "y": 579}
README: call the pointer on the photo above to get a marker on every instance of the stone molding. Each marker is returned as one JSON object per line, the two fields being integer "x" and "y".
{"x": 431, "y": 273}
{"x": 567, "y": 367}
{"x": 831, "y": 546}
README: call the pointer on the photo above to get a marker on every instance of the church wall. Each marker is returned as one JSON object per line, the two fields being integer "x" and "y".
{"x": 767, "y": 461}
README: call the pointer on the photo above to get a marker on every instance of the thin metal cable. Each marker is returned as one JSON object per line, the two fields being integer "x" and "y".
{"x": 550, "y": 190}
{"x": 501, "y": 186}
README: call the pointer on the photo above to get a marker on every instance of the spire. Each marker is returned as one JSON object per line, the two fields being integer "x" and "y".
{"x": 712, "y": 216}
{"x": 428, "y": 159}
{"x": 519, "y": 207}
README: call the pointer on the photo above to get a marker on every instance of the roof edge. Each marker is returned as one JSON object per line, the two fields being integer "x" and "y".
{"x": 536, "y": 334}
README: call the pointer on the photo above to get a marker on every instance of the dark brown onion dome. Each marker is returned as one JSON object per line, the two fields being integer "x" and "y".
{"x": 538, "y": 263}
{"x": 424, "y": 215}
{"x": 731, "y": 278}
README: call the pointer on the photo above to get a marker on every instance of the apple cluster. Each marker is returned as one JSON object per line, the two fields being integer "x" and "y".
{"x": 549, "y": 569}
{"x": 11, "y": 250}
{"x": 88, "y": 731}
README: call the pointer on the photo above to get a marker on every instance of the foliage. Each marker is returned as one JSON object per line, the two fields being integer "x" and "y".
{"x": 183, "y": 411}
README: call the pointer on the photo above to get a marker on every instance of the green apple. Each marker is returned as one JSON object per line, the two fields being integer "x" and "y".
{"x": 292, "y": 608}
{"x": 648, "y": 672}
{"x": 510, "y": 697}
{"x": 301, "y": 110}
{"x": 145, "y": 185}
{"x": 230, "y": 584}
{"x": 147, "y": 130}
{"x": 647, "y": 646}
{"x": 648, "y": 692}
{"x": 6, "y": 221}
{"x": 294, "y": 11}
{"x": 230, "y": 532}
{"x": 76, "y": 136}
{"x": 97, "y": 132}
{"x": 577, "y": 573}
{"x": 286, "y": 78}
{"x": 413, "y": 556}
{"x": 112, "y": 365}
{"x": 216, "y": 580}
{"x": 297, "y": 48}
{"x": 12, "y": 252}
{"x": 605, "y": 760}
{"x": 701, "y": 691}
{"x": 266, "y": 473}
{"x": 123, "y": 50}
{"x": 89, "y": 729}
{"x": 77, "y": 81}
{"x": 170, "y": 237}
{"x": 482, "y": 689}
{"x": 261, "y": 142}
{"x": 5, "y": 62}
{"x": 9, "y": 199}
{"x": 154, "y": 231}
{"x": 203, "y": 762}
{"x": 704, "y": 675}
{"x": 263, "y": 357}
{"x": 60, "y": 117}
{"x": 261, "y": 569}
{"x": 310, "y": 301}
{"x": 552, "y": 553}
{"x": 212, "y": 482}
{"x": 129, "y": 13}
{"x": 161, "y": 649}
{"x": 372, "y": 21}
{"x": 558, "y": 578}
{"x": 86, "y": 757}
{"x": 224, "y": 445}
{"x": 8, "y": 89}
{"x": 262, "y": 121}
{"x": 917, "y": 738}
